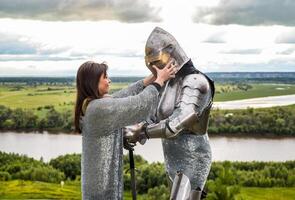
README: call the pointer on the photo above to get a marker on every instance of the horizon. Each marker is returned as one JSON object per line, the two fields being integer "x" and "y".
{"x": 132, "y": 76}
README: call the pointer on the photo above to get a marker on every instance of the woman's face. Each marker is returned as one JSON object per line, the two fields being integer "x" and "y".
{"x": 104, "y": 85}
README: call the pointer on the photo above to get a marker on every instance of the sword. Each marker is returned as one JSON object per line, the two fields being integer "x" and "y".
{"x": 132, "y": 173}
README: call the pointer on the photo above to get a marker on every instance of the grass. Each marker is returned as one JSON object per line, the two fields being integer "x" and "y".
{"x": 277, "y": 193}
{"x": 33, "y": 97}
{"x": 257, "y": 90}
{"x": 18, "y": 189}
{"x": 63, "y": 97}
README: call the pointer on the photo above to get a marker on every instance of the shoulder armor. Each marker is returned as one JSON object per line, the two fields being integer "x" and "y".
{"x": 196, "y": 81}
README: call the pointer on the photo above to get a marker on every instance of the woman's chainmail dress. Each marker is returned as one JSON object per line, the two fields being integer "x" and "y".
{"x": 102, "y": 139}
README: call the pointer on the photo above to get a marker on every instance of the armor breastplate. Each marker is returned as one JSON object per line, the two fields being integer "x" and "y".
{"x": 173, "y": 98}
{"x": 170, "y": 97}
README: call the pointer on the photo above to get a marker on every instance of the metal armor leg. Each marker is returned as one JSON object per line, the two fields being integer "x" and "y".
{"x": 195, "y": 195}
{"x": 181, "y": 189}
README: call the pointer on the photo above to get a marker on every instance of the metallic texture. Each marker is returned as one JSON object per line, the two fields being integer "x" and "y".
{"x": 157, "y": 130}
{"x": 195, "y": 195}
{"x": 102, "y": 140}
{"x": 185, "y": 140}
{"x": 187, "y": 110}
{"x": 189, "y": 150}
{"x": 190, "y": 154}
{"x": 181, "y": 187}
{"x": 160, "y": 47}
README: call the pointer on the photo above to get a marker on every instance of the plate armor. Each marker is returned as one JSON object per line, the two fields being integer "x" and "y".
{"x": 182, "y": 116}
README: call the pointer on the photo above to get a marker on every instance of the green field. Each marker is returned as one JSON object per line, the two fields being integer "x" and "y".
{"x": 63, "y": 97}
{"x": 18, "y": 189}
{"x": 276, "y": 193}
{"x": 257, "y": 90}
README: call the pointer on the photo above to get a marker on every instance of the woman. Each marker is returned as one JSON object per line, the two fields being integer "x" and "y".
{"x": 99, "y": 117}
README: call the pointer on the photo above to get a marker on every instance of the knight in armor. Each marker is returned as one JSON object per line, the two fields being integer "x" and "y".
{"x": 181, "y": 117}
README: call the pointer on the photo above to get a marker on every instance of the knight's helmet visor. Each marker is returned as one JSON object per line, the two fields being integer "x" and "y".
{"x": 160, "y": 59}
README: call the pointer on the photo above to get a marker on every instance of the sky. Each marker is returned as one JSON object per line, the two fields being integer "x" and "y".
{"x": 54, "y": 37}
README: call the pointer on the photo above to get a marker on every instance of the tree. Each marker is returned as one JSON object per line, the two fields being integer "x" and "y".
{"x": 70, "y": 164}
{"x": 4, "y": 115}
{"x": 54, "y": 119}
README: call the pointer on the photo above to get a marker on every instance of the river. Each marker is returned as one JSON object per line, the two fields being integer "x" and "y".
{"x": 49, "y": 146}
{"x": 263, "y": 102}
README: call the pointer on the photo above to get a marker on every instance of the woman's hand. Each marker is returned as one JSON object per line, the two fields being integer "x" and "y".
{"x": 166, "y": 73}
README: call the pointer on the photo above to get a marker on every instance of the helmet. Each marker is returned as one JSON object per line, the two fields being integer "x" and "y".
{"x": 161, "y": 47}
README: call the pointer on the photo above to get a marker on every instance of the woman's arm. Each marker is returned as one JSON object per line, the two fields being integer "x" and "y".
{"x": 103, "y": 116}
{"x": 134, "y": 88}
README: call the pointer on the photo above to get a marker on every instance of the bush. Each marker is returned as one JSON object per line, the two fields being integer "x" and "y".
{"x": 69, "y": 164}
{"x": 161, "y": 192}
{"x": 45, "y": 174}
{"x": 54, "y": 119}
{"x": 14, "y": 166}
{"x": 224, "y": 186}
{"x": 4, "y": 176}
{"x": 258, "y": 174}
{"x": 276, "y": 120}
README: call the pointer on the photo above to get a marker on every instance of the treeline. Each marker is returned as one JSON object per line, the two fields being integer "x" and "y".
{"x": 275, "y": 120}
{"x": 225, "y": 178}
{"x": 52, "y": 81}
{"x": 218, "y": 77}
{"x": 253, "y": 77}
{"x": 34, "y": 81}
{"x": 27, "y": 120}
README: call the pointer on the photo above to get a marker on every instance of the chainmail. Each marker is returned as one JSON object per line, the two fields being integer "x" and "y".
{"x": 102, "y": 140}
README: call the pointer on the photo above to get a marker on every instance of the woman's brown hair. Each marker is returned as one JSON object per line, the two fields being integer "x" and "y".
{"x": 87, "y": 79}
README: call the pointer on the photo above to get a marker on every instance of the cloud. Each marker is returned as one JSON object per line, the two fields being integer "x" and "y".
{"x": 273, "y": 65}
{"x": 216, "y": 38}
{"x": 14, "y": 47}
{"x": 28, "y": 71}
{"x": 4, "y": 58}
{"x": 31, "y": 67}
{"x": 111, "y": 52}
{"x": 118, "y": 66}
{"x": 77, "y": 10}
{"x": 288, "y": 51}
{"x": 14, "y": 44}
{"x": 287, "y": 37}
{"x": 248, "y": 12}
{"x": 242, "y": 51}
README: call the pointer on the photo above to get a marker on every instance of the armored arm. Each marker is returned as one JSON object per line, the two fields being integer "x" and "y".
{"x": 195, "y": 98}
